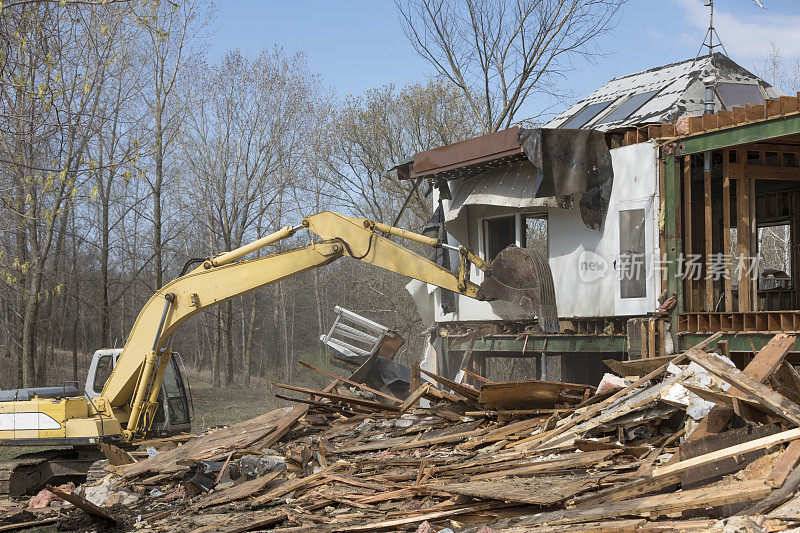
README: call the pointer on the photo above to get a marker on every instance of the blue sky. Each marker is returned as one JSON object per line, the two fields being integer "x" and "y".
{"x": 357, "y": 45}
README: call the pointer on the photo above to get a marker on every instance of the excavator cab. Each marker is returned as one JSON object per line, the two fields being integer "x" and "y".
{"x": 173, "y": 415}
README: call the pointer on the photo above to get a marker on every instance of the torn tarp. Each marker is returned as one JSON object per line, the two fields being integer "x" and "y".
{"x": 572, "y": 162}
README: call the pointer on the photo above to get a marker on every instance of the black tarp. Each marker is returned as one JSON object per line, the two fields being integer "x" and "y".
{"x": 572, "y": 162}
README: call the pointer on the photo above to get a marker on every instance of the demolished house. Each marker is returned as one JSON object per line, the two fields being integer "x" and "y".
{"x": 636, "y": 197}
{"x": 698, "y": 429}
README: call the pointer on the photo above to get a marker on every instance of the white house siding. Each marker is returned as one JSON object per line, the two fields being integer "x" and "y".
{"x": 635, "y": 179}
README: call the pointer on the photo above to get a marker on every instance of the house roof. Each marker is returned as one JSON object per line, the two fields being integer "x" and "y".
{"x": 665, "y": 94}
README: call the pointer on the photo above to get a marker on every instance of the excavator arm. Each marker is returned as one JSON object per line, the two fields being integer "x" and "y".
{"x": 131, "y": 392}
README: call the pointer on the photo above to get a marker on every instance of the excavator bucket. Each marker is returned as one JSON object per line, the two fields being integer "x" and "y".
{"x": 522, "y": 276}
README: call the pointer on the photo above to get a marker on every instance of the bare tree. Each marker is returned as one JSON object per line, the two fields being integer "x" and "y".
{"x": 500, "y": 52}
{"x": 172, "y": 29}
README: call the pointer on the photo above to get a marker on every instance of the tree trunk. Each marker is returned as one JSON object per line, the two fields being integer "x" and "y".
{"x": 228, "y": 332}
{"x": 215, "y": 361}
{"x": 248, "y": 346}
{"x": 159, "y": 179}
{"x": 29, "y": 329}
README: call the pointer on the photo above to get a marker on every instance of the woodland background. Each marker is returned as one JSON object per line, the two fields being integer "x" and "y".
{"x": 125, "y": 151}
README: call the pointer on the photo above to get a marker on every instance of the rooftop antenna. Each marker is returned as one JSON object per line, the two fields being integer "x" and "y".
{"x": 708, "y": 40}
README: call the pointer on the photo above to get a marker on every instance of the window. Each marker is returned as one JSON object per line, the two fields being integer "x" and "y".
{"x": 632, "y": 268}
{"x": 628, "y": 107}
{"x": 582, "y": 117}
{"x": 499, "y": 234}
{"x": 176, "y": 397}
{"x": 775, "y": 256}
{"x": 535, "y": 235}
{"x": 524, "y": 230}
{"x": 102, "y": 372}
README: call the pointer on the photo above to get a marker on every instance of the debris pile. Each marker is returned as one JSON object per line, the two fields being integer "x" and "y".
{"x": 684, "y": 442}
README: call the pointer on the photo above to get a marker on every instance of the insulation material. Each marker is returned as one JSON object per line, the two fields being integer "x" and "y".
{"x": 693, "y": 374}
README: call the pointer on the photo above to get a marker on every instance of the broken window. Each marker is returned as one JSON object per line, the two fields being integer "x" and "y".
{"x": 534, "y": 235}
{"x": 631, "y": 268}
{"x": 775, "y": 256}
{"x": 499, "y": 234}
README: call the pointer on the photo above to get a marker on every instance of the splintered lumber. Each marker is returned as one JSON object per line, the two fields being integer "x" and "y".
{"x": 31, "y": 524}
{"x": 353, "y": 383}
{"x": 297, "y": 483}
{"x": 785, "y": 465}
{"x": 542, "y": 490}
{"x": 350, "y": 400}
{"x": 596, "y": 408}
{"x": 236, "y": 492}
{"x": 636, "y": 367}
{"x": 414, "y": 397}
{"x": 731, "y": 451}
{"x": 778, "y": 496}
{"x": 769, "y": 399}
{"x": 530, "y": 394}
{"x": 573, "y": 460}
{"x": 763, "y": 366}
{"x": 615, "y": 526}
{"x": 475, "y": 376}
{"x": 82, "y": 503}
{"x": 385, "y": 524}
{"x": 697, "y": 477}
{"x": 116, "y": 456}
{"x": 456, "y": 387}
{"x": 660, "y": 504}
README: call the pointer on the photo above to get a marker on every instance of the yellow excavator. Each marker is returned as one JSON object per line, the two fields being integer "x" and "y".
{"x": 144, "y": 392}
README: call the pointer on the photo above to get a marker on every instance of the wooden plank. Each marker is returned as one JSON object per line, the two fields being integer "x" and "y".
{"x": 651, "y": 338}
{"x": 385, "y": 524}
{"x": 785, "y": 465}
{"x": 760, "y": 368}
{"x": 741, "y": 491}
{"x": 708, "y": 234}
{"x": 458, "y": 388}
{"x": 596, "y": 408}
{"x": 414, "y": 397}
{"x": 297, "y": 483}
{"x": 477, "y": 377}
{"x": 637, "y": 367}
{"x": 116, "y": 456}
{"x": 236, "y": 492}
{"x": 541, "y": 490}
{"x": 530, "y": 394}
{"x": 82, "y": 503}
{"x": 687, "y": 229}
{"x": 416, "y": 379}
{"x": 731, "y": 451}
{"x": 31, "y": 524}
{"x": 715, "y": 471}
{"x": 726, "y": 229}
{"x": 574, "y": 460}
{"x": 778, "y": 496}
{"x": 378, "y": 406}
{"x": 769, "y": 399}
{"x": 353, "y": 383}
{"x": 743, "y": 230}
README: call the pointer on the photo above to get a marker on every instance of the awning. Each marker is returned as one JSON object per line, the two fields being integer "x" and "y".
{"x": 559, "y": 164}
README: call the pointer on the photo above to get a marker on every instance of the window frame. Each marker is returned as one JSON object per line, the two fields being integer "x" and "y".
{"x": 476, "y": 273}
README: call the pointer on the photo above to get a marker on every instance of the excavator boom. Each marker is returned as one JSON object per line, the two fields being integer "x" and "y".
{"x": 127, "y": 404}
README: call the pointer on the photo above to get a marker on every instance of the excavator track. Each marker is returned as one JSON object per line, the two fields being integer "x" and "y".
{"x": 29, "y": 472}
